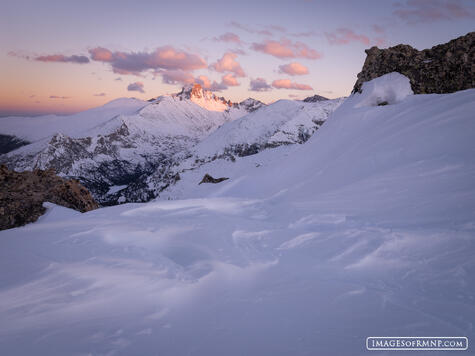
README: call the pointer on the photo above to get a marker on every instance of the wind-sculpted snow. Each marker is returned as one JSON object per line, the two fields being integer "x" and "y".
{"x": 366, "y": 229}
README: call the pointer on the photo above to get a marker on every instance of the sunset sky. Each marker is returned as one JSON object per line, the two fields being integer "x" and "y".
{"x": 67, "y": 56}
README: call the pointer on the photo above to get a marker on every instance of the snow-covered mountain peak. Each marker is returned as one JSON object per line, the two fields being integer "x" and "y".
{"x": 204, "y": 98}
{"x": 250, "y": 104}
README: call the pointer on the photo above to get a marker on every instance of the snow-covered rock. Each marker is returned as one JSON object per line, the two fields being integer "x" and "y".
{"x": 390, "y": 88}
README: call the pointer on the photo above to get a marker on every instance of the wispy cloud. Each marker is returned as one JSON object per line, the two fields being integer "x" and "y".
{"x": 59, "y": 97}
{"x": 228, "y": 63}
{"x": 416, "y": 11}
{"x": 165, "y": 57}
{"x": 303, "y": 34}
{"x": 100, "y": 94}
{"x": 294, "y": 68}
{"x": 286, "y": 48}
{"x": 288, "y": 84}
{"x": 137, "y": 86}
{"x": 344, "y": 36}
{"x": 63, "y": 59}
{"x": 228, "y": 37}
{"x": 379, "y": 29}
{"x": 259, "y": 84}
{"x": 249, "y": 29}
{"x": 59, "y": 58}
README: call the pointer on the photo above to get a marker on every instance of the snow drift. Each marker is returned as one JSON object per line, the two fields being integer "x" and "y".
{"x": 367, "y": 229}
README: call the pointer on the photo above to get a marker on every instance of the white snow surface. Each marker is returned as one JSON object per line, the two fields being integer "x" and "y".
{"x": 75, "y": 125}
{"x": 367, "y": 229}
{"x": 390, "y": 88}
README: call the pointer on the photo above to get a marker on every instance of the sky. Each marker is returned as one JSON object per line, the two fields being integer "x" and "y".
{"x": 67, "y": 56}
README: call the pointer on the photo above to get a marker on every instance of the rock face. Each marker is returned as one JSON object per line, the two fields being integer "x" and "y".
{"x": 22, "y": 195}
{"x": 209, "y": 179}
{"x": 445, "y": 68}
{"x": 9, "y": 143}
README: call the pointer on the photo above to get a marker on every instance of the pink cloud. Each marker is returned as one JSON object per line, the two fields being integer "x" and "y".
{"x": 101, "y": 54}
{"x": 165, "y": 57}
{"x": 137, "y": 86}
{"x": 344, "y": 36}
{"x": 259, "y": 84}
{"x": 288, "y": 84}
{"x": 230, "y": 80}
{"x": 206, "y": 83}
{"x": 294, "y": 68}
{"x": 229, "y": 37}
{"x": 285, "y": 48}
{"x": 184, "y": 78}
{"x": 228, "y": 63}
{"x": 100, "y": 94}
{"x": 177, "y": 77}
{"x": 416, "y": 11}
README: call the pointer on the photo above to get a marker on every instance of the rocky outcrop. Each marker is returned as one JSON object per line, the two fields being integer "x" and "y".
{"x": 208, "y": 179}
{"x": 445, "y": 68}
{"x": 22, "y": 195}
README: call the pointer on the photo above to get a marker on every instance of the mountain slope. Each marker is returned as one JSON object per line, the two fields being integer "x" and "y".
{"x": 119, "y": 143}
{"x": 285, "y": 122}
{"x": 127, "y": 150}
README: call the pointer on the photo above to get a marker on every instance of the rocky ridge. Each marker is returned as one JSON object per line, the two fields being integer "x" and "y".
{"x": 22, "y": 195}
{"x": 445, "y": 68}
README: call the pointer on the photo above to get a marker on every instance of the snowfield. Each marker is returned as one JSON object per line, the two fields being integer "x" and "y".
{"x": 367, "y": 229}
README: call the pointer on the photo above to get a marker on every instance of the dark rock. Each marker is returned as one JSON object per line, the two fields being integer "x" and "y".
{"x": 22, "y": 195}
{"x": 314, "y": 99}
{"x": 9, "y": 143}
{"x": 208, "y": 179}
{"x": 445, "y": 68}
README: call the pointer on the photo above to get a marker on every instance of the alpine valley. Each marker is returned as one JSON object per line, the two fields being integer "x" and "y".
{"x": 129, "y": 150}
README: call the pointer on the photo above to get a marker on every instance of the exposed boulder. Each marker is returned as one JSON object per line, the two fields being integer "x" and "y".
{"x": 208, "y": 179}
{"x": 445, "y": 68}
{"x": 22, "y": 195}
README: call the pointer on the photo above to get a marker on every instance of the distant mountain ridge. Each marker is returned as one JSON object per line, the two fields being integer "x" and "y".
{"x": 128, "y": 149}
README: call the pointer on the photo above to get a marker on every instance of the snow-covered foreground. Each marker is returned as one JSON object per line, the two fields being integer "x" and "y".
{"x": 368, "y": 229}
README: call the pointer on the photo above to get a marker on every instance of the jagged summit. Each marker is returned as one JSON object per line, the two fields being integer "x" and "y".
{"x": 203, "y": 98}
